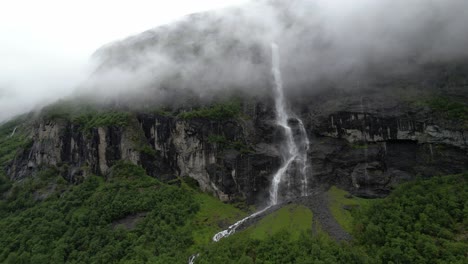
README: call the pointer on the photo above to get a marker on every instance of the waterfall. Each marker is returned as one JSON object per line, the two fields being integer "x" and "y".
{"x": 305, "y": 143}
{"x": 14, "y": 131}
{"x": 289, "y": 150}
{"x": 293, "y": 151}
{"x": 232, "y": 228}
{"x": 192, "y": 259}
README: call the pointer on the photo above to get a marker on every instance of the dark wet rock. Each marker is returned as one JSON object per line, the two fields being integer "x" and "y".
{"x": 362, "y": 142}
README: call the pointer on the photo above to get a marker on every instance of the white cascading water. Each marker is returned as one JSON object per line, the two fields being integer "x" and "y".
{"x": 232, "y": 228}
{"x": 293, "y": 150}
{"x": 14, "y": 131}
{"x": 304, "y": 142}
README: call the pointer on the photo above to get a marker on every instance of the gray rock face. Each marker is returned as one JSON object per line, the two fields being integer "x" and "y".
{"x": 365, "y": 127}
{"x": 186, "y": 150}
{"x": 363, "y": 150}
{"x": 63, "y": 144}
{"x": 367, "y": 146}
{"x": 167, "y": 147}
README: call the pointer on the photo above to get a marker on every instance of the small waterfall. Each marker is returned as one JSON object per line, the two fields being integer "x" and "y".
{"x": 192, "y": 259}
{"x": 293, "y": 151}
{"x": 14, "y": 131}
{"x": 232, "y": 228}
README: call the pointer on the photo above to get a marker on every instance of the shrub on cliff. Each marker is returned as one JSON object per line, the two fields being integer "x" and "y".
{"x": 219, "y": 111}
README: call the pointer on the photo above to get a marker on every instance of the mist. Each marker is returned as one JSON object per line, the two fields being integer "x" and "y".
{"x": 320, "y": 40}
{"x": 46, "y": 45}
{"x": 227, "y": 51}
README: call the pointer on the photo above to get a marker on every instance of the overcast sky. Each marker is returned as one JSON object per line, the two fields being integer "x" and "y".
{"x": 45, "y": 45}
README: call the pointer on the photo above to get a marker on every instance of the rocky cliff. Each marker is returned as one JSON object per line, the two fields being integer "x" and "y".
{"x": 367, "y": 148}
{"x": 373, "y": 120}
{"x": 360, "y": 144}
{"x": 231, "y": 158}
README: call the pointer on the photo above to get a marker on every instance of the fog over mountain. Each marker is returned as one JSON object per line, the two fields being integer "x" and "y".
{"x": 46, "y": 46}
{"x": 337, "y": 41}
{"x": 320, "y": 41}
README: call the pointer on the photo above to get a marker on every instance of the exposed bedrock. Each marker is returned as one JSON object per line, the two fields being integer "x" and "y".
{"x": 365, "y": 150}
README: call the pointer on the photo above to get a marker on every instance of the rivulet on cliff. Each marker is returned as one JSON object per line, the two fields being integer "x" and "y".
{"x": 191, "y": 143}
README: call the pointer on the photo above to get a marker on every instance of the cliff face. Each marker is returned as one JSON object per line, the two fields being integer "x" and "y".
{"x": 233, "y": 158}
{"x": 225, "y": 157}
{"x": 65, "y": 145}
{"x": 362, "y": 146}
{"x": 367, "y": 148}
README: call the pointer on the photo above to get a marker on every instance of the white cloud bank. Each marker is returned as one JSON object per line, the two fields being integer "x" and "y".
{"x": 45, "y": 45}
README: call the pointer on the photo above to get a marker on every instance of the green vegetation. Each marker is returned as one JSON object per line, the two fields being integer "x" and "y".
{"x": 421, "y": 222}
{"x": 341, "y": 205}
{"x": 163, "y": 112}
{"x": 85, "y": 115}
{"x": 446, "y": 107}
{"x": 220, "y": 111}
{"x": 46, "y": 220}
{"x": 10, "y": 143}
{"x": 294, "y": 219}
{"x": 449, "y": 108}
{"x": 29, "y": 192}
{"x": 147, "y": 150}
{"x": 61, "y": 110}
{"x": 281, "y": 247}
{"x": 240, "y": 146}
{"x": 211, "y": 216}
{"x": 67, "y": 110}
{"x": 223, "y": 143}
{"x": 78, "y": 225}
{"x": 359, "y": 146}
{"x": 101, "y": 119}
{"x": 217, "y": 139}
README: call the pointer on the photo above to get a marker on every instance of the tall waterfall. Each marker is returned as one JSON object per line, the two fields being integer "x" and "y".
{"x": 293, "y": 149}
{"x": 296, "y": 144}
{"x": 293, "y": 152}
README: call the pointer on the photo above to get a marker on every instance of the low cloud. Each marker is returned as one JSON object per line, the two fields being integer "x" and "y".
{"x": 216, "y": 52}
{"x": 228, "y": 51}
